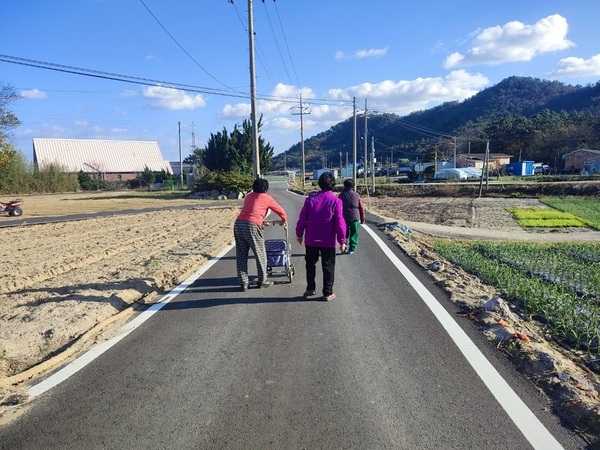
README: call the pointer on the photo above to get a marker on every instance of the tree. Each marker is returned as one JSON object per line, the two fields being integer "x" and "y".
{"x": 195, "y": 158}
{"x": 232, "y": 152}
{"x": 148, "y": 177}
{"x": 8, "y": 121}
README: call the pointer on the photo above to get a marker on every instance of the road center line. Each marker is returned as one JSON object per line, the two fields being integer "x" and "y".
{"x": 533, "y": 430}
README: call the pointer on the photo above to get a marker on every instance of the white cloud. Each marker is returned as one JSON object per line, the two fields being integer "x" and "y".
{"x": 173, "y": 99}
{"x": 283, "y": 99}
{"x": 514, "y": 41}
{"x": 361, "y": 54}
{"x": 577, "y": 67}
{"x": 405, "y": 96}
{"x": 281, "y": 118}
{"x": 34, "y": 94}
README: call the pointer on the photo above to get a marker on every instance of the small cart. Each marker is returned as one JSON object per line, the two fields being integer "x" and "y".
{"x": 279, "y": 253}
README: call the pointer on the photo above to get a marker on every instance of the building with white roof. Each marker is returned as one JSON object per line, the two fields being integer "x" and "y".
{"x": 109, "y": 160}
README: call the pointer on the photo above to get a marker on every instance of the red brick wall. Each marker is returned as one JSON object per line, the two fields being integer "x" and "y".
{"x": 576, "y": 160}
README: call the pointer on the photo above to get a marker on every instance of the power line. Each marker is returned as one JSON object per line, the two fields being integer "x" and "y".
{"x": 184, "y": 50}
{"x": 112, "y": 76}
{"x": 277, "y": 43}
{"x": 286, "y": 44}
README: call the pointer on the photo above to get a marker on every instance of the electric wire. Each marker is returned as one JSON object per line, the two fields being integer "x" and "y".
{"x": 286, "y": 44}
{"x": 277, "y": 43}
{"x": 258, "y": 49}
{"x": 184, "y": 50}
{"x": 142, "y": 81}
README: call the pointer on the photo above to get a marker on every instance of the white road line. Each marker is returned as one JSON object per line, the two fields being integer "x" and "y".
{"x": 92, "y": 354}
{"x": 533, "y": 430}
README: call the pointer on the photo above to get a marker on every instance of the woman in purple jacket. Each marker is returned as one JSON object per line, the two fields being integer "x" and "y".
{"x": 321, "y": 224}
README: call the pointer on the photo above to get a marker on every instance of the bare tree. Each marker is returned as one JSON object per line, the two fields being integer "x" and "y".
{"x": 8, "y": 121}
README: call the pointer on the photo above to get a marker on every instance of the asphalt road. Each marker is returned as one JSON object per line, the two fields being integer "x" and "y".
{"x": 387, "y": 364}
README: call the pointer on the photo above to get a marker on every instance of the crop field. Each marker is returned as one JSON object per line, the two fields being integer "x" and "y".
{"x": 586, "y": 209}
{"x": 545, "y": 218}
{"x": 557, "y": 283}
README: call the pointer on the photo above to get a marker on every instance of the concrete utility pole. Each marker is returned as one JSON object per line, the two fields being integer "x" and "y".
{"x": 180, "y": 160}
{"x": 355, "y": 168}
{"x": 455, "y": 153}
{"x": 484, "y": 170}
{"x": 301, "y": 113}
{"x": 255, "y": 149}
{"x": 372, "y": 165}
{"x": 366, "y": 162}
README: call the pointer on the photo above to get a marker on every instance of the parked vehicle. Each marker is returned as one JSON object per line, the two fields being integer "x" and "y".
{"x": 541, "y": 169}
{"x": 13, "y": 207}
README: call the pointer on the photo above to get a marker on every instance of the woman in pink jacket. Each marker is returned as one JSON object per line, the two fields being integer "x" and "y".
{"x": 321, "y": 225}
{"x": 248, "y": 232}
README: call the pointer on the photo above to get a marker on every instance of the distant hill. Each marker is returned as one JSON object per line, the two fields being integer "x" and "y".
{"x": 521, "y": 116}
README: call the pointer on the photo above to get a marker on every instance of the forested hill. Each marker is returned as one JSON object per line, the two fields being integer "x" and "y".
{"x": 536, "y": 119}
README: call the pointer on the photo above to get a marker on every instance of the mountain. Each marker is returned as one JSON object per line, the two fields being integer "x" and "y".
{"x": 521, "y": 116}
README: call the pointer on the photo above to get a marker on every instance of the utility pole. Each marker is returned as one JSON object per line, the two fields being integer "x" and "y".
{"x": 354, "y": 169}
{"x": 484, "y": 170}
{"x": 455, "y": 152}
{"x": 301, "y": 113}
{"x": 366, "y": 164}
{"x": 180, "y": 160}
{"x": 372, "y": 165}
{"x": 193, "y": 138}
{"x": 255, "y": 150}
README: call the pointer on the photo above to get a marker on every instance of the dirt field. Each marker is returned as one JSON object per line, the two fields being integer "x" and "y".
{"x": 64, "y": 286}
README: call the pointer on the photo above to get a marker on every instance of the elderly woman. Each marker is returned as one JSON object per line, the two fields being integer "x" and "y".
{"x": 248, "y": 232}
{"x": 321, "y": 226}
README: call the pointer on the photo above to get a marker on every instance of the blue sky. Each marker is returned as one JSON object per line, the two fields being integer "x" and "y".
{"x": 399, "y": 56}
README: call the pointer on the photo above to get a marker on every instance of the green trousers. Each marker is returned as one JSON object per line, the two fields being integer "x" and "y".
{"x": 352, "y": 235}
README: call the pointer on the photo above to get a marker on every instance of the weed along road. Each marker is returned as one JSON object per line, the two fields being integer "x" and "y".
{"x": 387, "y": 364}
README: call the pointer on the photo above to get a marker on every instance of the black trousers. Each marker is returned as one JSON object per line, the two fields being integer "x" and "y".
{"x": 327, "y": 255}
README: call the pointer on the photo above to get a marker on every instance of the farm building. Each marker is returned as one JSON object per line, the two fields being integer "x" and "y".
{"x": 520, "y": 169}
{"x": 105, "y": 159}
{"x": 582, "y": 160}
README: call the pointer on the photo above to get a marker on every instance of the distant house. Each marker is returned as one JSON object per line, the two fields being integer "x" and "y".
{"x": 105, "y": 159}
{"x": 582, "y": 160}
{"x": 175, "y": 166}
{"x": 496, "y": 160}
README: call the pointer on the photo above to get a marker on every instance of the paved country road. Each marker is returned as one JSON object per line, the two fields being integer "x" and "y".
{"x": 385, "y": 365}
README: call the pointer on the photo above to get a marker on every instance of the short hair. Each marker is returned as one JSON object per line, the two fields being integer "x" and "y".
{"x": 348, "y": 183}
{"x": 260, "y": 185}
{"x": 327, "y": 181}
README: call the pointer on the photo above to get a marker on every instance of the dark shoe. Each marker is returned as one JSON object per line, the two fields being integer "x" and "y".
{"x": 244, "y": 287}
{"x": 265, "y": 284}
{"x": 329, "y": 297}
{"x": 308, "y": 293}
